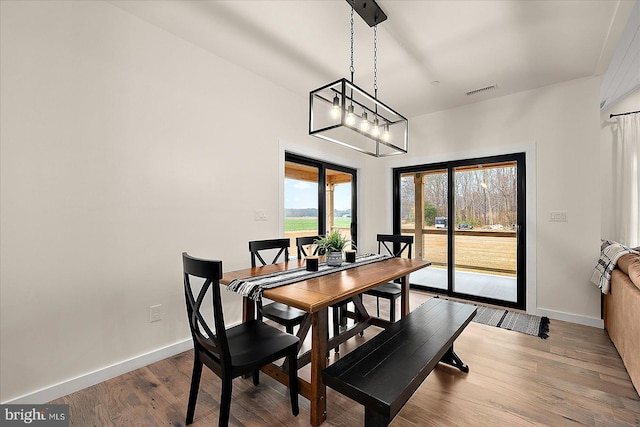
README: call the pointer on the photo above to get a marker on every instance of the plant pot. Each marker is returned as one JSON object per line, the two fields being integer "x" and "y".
{"x": 334, "y": 259}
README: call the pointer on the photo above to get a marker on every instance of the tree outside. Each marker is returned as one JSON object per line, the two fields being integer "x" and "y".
{"x": 485, "y": 197}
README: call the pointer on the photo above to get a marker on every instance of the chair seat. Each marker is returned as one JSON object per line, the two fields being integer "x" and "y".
{"x": 283, "y": 314}
{"x": 254, "y": 343}
{"x": 387, "y": 290}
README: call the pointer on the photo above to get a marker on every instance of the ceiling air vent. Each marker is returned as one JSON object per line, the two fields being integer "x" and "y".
{"x": 482, "y": 89}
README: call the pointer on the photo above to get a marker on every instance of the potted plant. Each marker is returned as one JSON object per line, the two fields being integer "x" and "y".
{"x": 332, "y": 244}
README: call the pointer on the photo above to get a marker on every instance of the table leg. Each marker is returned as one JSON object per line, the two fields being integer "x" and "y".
{"x": 404, "y": 297}
{"x": 248, "y": 313}
{"x": 248, "y": 309}
{"x": 318, "y": 399}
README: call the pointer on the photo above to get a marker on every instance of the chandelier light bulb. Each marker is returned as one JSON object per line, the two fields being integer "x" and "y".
{"x": 376, "y": 128}
{"x": 351, "y": 118}
{"x": 364, "y": 124}
{"x": 335, "y": 110}
{"x": 386, "y": 136}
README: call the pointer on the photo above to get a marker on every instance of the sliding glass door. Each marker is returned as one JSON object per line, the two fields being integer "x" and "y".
{"x": 424, "y": 208}
{"x": 467, "y": 218}
{"x": 318, "y": 197}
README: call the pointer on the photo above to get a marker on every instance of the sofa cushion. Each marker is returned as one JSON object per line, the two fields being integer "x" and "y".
{"x": 622, "y": 321}
{"x": 630, "y": 265}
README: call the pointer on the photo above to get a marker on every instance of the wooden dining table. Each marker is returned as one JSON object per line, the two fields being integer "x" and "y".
{"x": 315, "y": 296}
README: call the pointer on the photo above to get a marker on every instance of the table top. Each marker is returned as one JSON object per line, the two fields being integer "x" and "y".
{"x": 313, "y": 295}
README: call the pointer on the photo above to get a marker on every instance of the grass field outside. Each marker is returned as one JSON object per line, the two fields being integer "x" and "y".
{"x": 310, "y": 223}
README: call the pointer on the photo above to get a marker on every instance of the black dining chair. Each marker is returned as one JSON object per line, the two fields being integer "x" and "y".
{"x": 306, "y": 246}
{"x": 280, "y": 313}
{"x": 232, "y": 352}
{"x": 394, "y": 245}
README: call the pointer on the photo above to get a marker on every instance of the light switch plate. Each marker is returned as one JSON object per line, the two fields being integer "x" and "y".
{"x": 558, "y": 216}
{"x": 260, "y": 215}
{"x": 155, "y": 313}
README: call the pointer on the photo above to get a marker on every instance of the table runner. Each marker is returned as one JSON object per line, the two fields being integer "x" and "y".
{"x": 252, "y": 287}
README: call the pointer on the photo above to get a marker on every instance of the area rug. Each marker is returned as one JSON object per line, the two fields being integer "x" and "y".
{"x": 525, "y": 323}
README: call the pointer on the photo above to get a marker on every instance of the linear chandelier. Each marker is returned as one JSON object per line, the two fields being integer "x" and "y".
{"x": 343, "y": 113}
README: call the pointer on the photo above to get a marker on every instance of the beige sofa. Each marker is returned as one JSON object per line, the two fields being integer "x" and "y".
{"x": 621, "y": 312}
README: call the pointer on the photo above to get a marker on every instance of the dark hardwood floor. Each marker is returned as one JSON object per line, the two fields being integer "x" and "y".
{"x": 575, "y": 377}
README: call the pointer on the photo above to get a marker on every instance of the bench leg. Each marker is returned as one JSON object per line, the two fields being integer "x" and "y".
{"x": 451, "y": 358}
{"x": 374, "y": 419}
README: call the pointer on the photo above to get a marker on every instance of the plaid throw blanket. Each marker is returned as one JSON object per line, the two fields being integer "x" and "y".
{"x": 252, "y": 287}
{"x": 608, "y": 258}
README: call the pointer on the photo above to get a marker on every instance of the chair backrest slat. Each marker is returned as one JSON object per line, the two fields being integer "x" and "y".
{"x": 399, "y": 244}
{"x": 255, "y": 246}
{"x": 211, "y": 271}
{"x": 309, "y": 241}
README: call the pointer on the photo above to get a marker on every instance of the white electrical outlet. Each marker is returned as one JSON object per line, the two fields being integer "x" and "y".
{"x": 155, "y": 313}
{"x": 260, "y": 215}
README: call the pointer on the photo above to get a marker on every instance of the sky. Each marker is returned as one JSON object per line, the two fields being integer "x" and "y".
{"x": 302, "y": 194}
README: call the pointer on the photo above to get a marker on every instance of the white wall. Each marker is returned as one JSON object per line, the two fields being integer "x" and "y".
{"x": 607, "y": 130}
{"x": 558, "y": 125}
{"x": 121, "y": 147}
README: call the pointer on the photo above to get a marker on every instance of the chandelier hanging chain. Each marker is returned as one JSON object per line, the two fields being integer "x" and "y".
{"x": 375, "y": 61}
{"x": 351, "y": 67}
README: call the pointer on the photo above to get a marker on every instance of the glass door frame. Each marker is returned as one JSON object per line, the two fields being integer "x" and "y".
{"x": 322, "y": 167}
{"x": 450, "y": 166}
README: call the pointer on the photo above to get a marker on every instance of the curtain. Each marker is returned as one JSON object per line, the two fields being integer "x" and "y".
{"x": 626, "y": 180}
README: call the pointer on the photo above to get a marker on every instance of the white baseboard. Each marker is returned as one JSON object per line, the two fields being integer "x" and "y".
{"x": 64, "y": 388}
{"x": 573, "y": 318}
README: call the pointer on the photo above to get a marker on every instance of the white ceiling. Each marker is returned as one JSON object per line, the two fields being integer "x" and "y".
{"x": 463, "y": 45}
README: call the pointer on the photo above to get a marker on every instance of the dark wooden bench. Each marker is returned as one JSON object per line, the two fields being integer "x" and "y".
{"x": 384, "y": 372}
